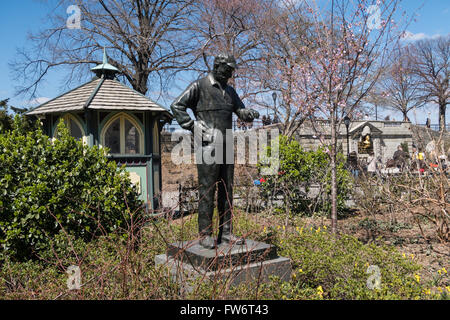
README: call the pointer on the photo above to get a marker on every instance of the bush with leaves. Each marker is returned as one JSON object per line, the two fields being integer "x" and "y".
{"x": 47, "y": 185}
{"x": 7, "y": 119}
{"x": 339, "y": 266}
{"x": 299, "y": 169}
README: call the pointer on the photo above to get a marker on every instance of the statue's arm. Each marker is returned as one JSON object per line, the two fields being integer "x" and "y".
{"x": 188, "y": 99}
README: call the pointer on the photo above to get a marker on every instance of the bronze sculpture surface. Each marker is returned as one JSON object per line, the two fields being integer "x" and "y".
{"x": 213, "y": 102}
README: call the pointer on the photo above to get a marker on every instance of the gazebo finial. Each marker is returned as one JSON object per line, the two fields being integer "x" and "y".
{"x": 105, "y": 57}
{"x": 105, "y": 70}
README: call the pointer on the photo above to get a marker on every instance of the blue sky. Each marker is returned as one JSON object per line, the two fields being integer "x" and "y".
{"x": 22, "y": 16}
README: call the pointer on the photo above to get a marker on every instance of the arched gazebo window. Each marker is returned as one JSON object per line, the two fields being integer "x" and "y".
{"x": 123, "y": 135}
{"x": 155, "y": 138}
{"x": 74, "y": 126}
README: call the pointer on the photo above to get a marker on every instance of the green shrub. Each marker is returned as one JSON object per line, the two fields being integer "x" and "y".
{"x": 299, "y": 169}
{"x": 339, "y": 266}
{"x": 47, "y": 185}
{"x": 5, "y": 118}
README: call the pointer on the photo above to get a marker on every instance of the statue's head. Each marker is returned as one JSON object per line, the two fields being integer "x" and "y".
{"x": 224, "y": 66}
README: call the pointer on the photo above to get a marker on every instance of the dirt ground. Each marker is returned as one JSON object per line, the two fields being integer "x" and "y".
{"x": 402, "y": 231}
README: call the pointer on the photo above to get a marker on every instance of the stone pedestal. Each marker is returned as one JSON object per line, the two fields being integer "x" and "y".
{"x": 252, "y": 261}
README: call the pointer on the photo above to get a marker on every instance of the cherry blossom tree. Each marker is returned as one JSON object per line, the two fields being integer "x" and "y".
{"x": 335, "y": 64}
{"x": 286, "y": 39}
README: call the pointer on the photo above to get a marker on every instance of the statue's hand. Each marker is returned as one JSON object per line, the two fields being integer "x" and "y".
{"x": 254, "y": 114}
{"x": 201, "y": 128}
{"x": 248, "y": 115}
{"x": 200, "y": 125}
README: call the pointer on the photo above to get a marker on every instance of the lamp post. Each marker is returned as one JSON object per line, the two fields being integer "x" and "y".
{"x": 274, "y": 97}
{"x": 347, "y": 124}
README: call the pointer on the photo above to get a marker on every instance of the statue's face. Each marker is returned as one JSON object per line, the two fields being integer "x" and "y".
{"x": 222, "y": 72}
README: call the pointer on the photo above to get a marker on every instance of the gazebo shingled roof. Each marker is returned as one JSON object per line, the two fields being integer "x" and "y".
{"x": 101, "y": 93}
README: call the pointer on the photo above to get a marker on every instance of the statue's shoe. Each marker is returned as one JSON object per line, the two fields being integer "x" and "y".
{"x": 208, "y": 242}
{"x": 230, "y": 238}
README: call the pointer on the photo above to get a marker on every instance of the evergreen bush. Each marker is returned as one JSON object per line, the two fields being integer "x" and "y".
{"x": 47, "y": 185}
{"x": 299, "y": 169}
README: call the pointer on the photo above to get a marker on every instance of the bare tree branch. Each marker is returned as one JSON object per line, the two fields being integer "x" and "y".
{"x": 145, "y": 39}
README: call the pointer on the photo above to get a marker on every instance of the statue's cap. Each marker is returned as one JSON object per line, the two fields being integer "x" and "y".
{"x": 227, "y": 59}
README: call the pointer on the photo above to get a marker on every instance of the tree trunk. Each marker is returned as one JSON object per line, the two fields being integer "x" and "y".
{"x": 333, "y": 175}
{"x": 405, "y": 117}
{"x": 442, "y": 124}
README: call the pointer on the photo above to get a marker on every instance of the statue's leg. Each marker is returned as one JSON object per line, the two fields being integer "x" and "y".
{"x": 225, "y": 196}
{"x": 225, "y": 204}
{"x": 207, "y": 177}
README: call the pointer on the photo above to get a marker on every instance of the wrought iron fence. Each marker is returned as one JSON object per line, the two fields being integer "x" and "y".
{"x": 258, "y": 123}
{"x": 235, "y": 126}
{"x": 435, "y": 127}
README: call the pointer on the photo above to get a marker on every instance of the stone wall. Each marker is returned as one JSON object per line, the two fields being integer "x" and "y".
{"x": 386, "y": 136}
{"x": 186, "y": 173}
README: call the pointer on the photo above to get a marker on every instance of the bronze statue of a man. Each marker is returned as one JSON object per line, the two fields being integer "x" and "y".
{"x": 213, "y": 102}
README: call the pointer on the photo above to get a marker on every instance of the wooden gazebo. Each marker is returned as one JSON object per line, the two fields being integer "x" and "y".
{"x": 107, "y": 113}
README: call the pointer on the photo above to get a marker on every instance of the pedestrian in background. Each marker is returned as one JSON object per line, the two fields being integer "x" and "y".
{"x": 399, "y": 158}
{"x": 371, "y": 164}
{"x": 353, "y": 164}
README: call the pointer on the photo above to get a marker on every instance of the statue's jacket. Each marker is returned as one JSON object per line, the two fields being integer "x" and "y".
{"x": 209, "y": 102}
